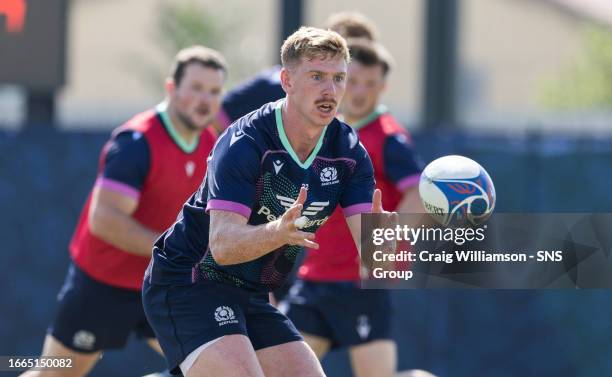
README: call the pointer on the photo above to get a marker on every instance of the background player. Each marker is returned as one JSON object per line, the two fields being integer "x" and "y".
{"x": 248, "y": 96}
{"x": 205, "y": 293}
{"x": 147, "y": 170}
{"x": 326, "y": 304}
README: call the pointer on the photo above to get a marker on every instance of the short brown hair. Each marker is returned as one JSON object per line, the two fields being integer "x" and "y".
{"x": 352, "y": 25}
{"x": 196, "y": 54}
{"x": 370, "y": 54}
{"x": 310, "y": 42}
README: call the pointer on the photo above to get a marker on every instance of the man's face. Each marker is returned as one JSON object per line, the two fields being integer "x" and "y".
{"x": 197, "y": 98}
{"x": 315, "y": 87}
{"x": 365, "y": 85}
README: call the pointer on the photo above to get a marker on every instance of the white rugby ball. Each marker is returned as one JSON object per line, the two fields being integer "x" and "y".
{"x": 457, "y": 191}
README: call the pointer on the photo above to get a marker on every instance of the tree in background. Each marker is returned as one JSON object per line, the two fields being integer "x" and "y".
{"x": 183, "y": 23}
{"x": 586, "y": 83}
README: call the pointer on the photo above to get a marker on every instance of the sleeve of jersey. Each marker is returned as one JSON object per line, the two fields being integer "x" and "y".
{"x": 401, "y": 164}
{"x": 233, "y": 170}
{"x": 126, "y": 164}
{"x": 357, "y": 196}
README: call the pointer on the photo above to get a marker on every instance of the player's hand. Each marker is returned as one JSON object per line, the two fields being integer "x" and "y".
{"x": 387, "y": 219}
{"x": 377, "y": 202}
{"x": 287, "y": 228}
{"x": 378, "y": 208}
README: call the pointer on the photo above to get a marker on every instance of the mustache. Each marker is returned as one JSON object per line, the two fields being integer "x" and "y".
{"x": 326, "y": 100}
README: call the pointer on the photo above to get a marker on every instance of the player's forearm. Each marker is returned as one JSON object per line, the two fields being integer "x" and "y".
{"x": 122, "y": 231}
{"x": 240, "y": 243}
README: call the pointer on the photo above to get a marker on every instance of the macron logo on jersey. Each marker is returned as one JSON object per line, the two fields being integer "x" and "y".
{"x": 278, "y": 165}
{"x": 190, "y": 168}
{"x": 311, "y": 210}
{"x": 236, "y": 136}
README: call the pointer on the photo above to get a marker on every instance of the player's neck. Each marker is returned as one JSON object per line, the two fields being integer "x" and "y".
{"x": 352, "y": 119}
{"x": 349, "y": 119}
{"x": 187, "y": 134}
{"x": 302, "y": 135}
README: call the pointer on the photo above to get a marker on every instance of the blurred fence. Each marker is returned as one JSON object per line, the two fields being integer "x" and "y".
{"x": 45, "y": 176}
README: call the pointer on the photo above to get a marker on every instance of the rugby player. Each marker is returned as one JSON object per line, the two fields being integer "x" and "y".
{"x": 147, "y": 171}
{"x": 206, "y": 290}
{"x": 266, "y": 87}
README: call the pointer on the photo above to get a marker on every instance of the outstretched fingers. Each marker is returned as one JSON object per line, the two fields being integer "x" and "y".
{"x": 377, "y": 202}
{"x": 295, "y": 211}
{"x": 301, "y": 199}
{"x": 294, "y": 221}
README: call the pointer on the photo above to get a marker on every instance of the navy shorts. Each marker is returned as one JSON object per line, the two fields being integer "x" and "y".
{"x": 339, "y": 311}
{"x": 94, "y": 316}
{"x": 185, "y": 317}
